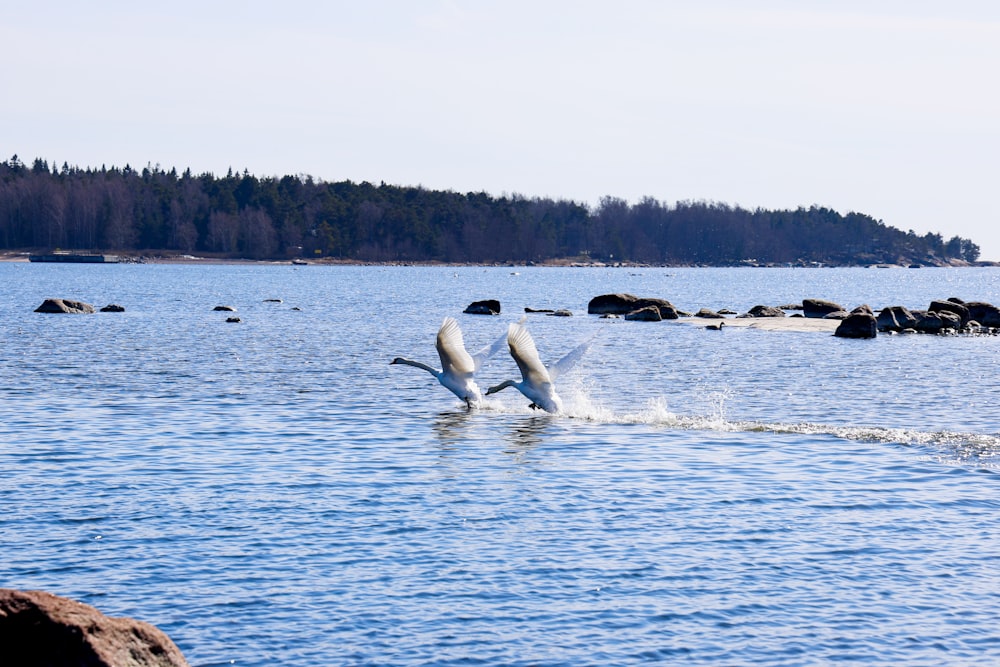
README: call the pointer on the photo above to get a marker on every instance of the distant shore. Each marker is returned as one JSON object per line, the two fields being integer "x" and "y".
{"x": 22, "y": 256}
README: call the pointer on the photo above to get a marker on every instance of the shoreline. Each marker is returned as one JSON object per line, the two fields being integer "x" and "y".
{"x": 22, "y": 256}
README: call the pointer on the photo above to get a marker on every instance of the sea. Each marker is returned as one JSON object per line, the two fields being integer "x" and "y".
{"x": 273, "y": 492}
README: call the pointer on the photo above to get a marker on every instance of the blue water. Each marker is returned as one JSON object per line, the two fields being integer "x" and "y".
{"x": 274, "y": 492}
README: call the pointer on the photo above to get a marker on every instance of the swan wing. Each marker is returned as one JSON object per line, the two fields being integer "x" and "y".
{"x": 571, "y": 358}
{"x": 524, "y": 352}
{"x": 455, "y": 360}
{"x": 482, "y": 355}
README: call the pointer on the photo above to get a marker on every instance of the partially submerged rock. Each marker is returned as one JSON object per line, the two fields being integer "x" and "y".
{"x": 40, "y": 629}
{"x": 820, "y": 307}
{"x": 113, "y": 308}
{"x": 857, "y": 325}
{"x": 64, "y": 306}
{"x": 484, "y": 307}
{"x": 764, "y": 311}
{"x": 225, "y": 309}
{"x": 647, "y": 314}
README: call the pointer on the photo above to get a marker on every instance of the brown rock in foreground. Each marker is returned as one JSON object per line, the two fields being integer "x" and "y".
{"x": 38, "y": 629}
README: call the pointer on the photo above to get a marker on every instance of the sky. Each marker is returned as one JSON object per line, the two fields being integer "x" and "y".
{"x": 886, "y": 108}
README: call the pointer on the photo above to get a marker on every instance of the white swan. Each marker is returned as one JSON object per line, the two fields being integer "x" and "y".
{"x": 458, "y": 367}
{"x": 536, "y": 378}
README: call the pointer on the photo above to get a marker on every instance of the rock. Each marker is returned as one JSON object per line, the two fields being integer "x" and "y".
{"x": 950, "y": 307}
{"x": 927, "y": 322}
{"x": 950, "y": 320}
{"x": 819, "y": 307}
{"x": 113, "y": 308}
{"x": 726, "y": 311}
{"x": 666, "y": 309}
{"x": 896, "y": 318}
{"x": 273, "y": 301}
{"x": 863, "y": 308}
{"x": 955, "y": 299}
{"x": 986, "y": 314}
{"x": 836, "y": 315}
{"x": 857, "y": 325}
{"x": 64, "y": 306}
{"x": 790, "y": 306}
{"x": 538, "y": 310}
{"x": 226, "y": 309}
{"x": 485, "y": 307}
{"x": 234, "y": 320}
{"x": 764, "y": 311}
{"x": 40, "y": 629}
{"x": 562, "y": 312}
{"x": 707, "y": 312}
{"x": 610, "y": 316}
{"x": 647, "y": 314}
{"x": 615, "y": 304}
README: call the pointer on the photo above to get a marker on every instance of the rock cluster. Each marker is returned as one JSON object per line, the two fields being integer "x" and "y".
{"x": 40, "y": 629}
{"x": 629, "y": 306}
{"x": 942, "y": 316}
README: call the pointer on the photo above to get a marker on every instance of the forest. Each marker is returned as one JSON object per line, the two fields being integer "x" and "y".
{"x": 155, "y": 212}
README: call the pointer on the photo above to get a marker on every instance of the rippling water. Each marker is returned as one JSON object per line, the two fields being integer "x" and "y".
{"x": 274, "y": 492}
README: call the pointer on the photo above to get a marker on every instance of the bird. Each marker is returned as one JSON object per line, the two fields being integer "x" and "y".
{"x": 458, "y": 367}
{"x": 716, "y": 327}
{"x": 536, "y": 378}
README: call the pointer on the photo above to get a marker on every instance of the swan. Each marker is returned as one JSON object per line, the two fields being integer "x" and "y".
{"x": 536, "y": 378}
{"x": 458, "y": 367}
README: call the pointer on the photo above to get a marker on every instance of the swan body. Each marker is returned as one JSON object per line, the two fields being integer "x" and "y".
{"x": 458, "y": 367}
{"x": 536, "y": 378}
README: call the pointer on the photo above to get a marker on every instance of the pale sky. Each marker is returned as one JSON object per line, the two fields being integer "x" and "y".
{"x": 886, "y": 108}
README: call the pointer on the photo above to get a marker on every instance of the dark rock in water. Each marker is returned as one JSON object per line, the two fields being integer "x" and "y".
{"x": 617, "y": 304}
{"x": 986, "y": 314}
{"x": 819, "y": 307}
{"x": 863, "y": 308}
{"x": 927, "y": 322}
{"x": 647, "y": 314}
{"x": 836, "y": 315}
{"x": 709, "y": 313}
{"x": 949, "y": 320}
{"x": 726, "y": 311}
{"x": 226, "y": 309}
{"x": 955, "y": 299}
{"x": 562, "y": 312}
{"x": 538, "y": 310}
{"x": 858, "y": 325}
{"x": 64, "y": 306}
{"x": 272, "y": 301}
{"x": 789, "y": 306}
{"x": 666, "y": 309}
{"x": 113, "y": 308}
{"x": 623, "y": 304}
{"x": 40, "y": 629}
{"x": 764, "y": 311}
{"x": 950, "y": 307}
{"x": 485, "y": 307}
{"x": 234, "y": 320}
{"x": 896, "y": 318}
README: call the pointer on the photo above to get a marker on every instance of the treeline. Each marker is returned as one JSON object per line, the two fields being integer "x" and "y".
{"x": 123, "y": 210}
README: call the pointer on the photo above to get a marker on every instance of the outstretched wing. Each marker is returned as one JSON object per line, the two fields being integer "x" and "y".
{"x": 524, "y": 352}
{"x": 482, "y": 355}
{"x": 571, "y": 358}
{"x": 455, "y": 360}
